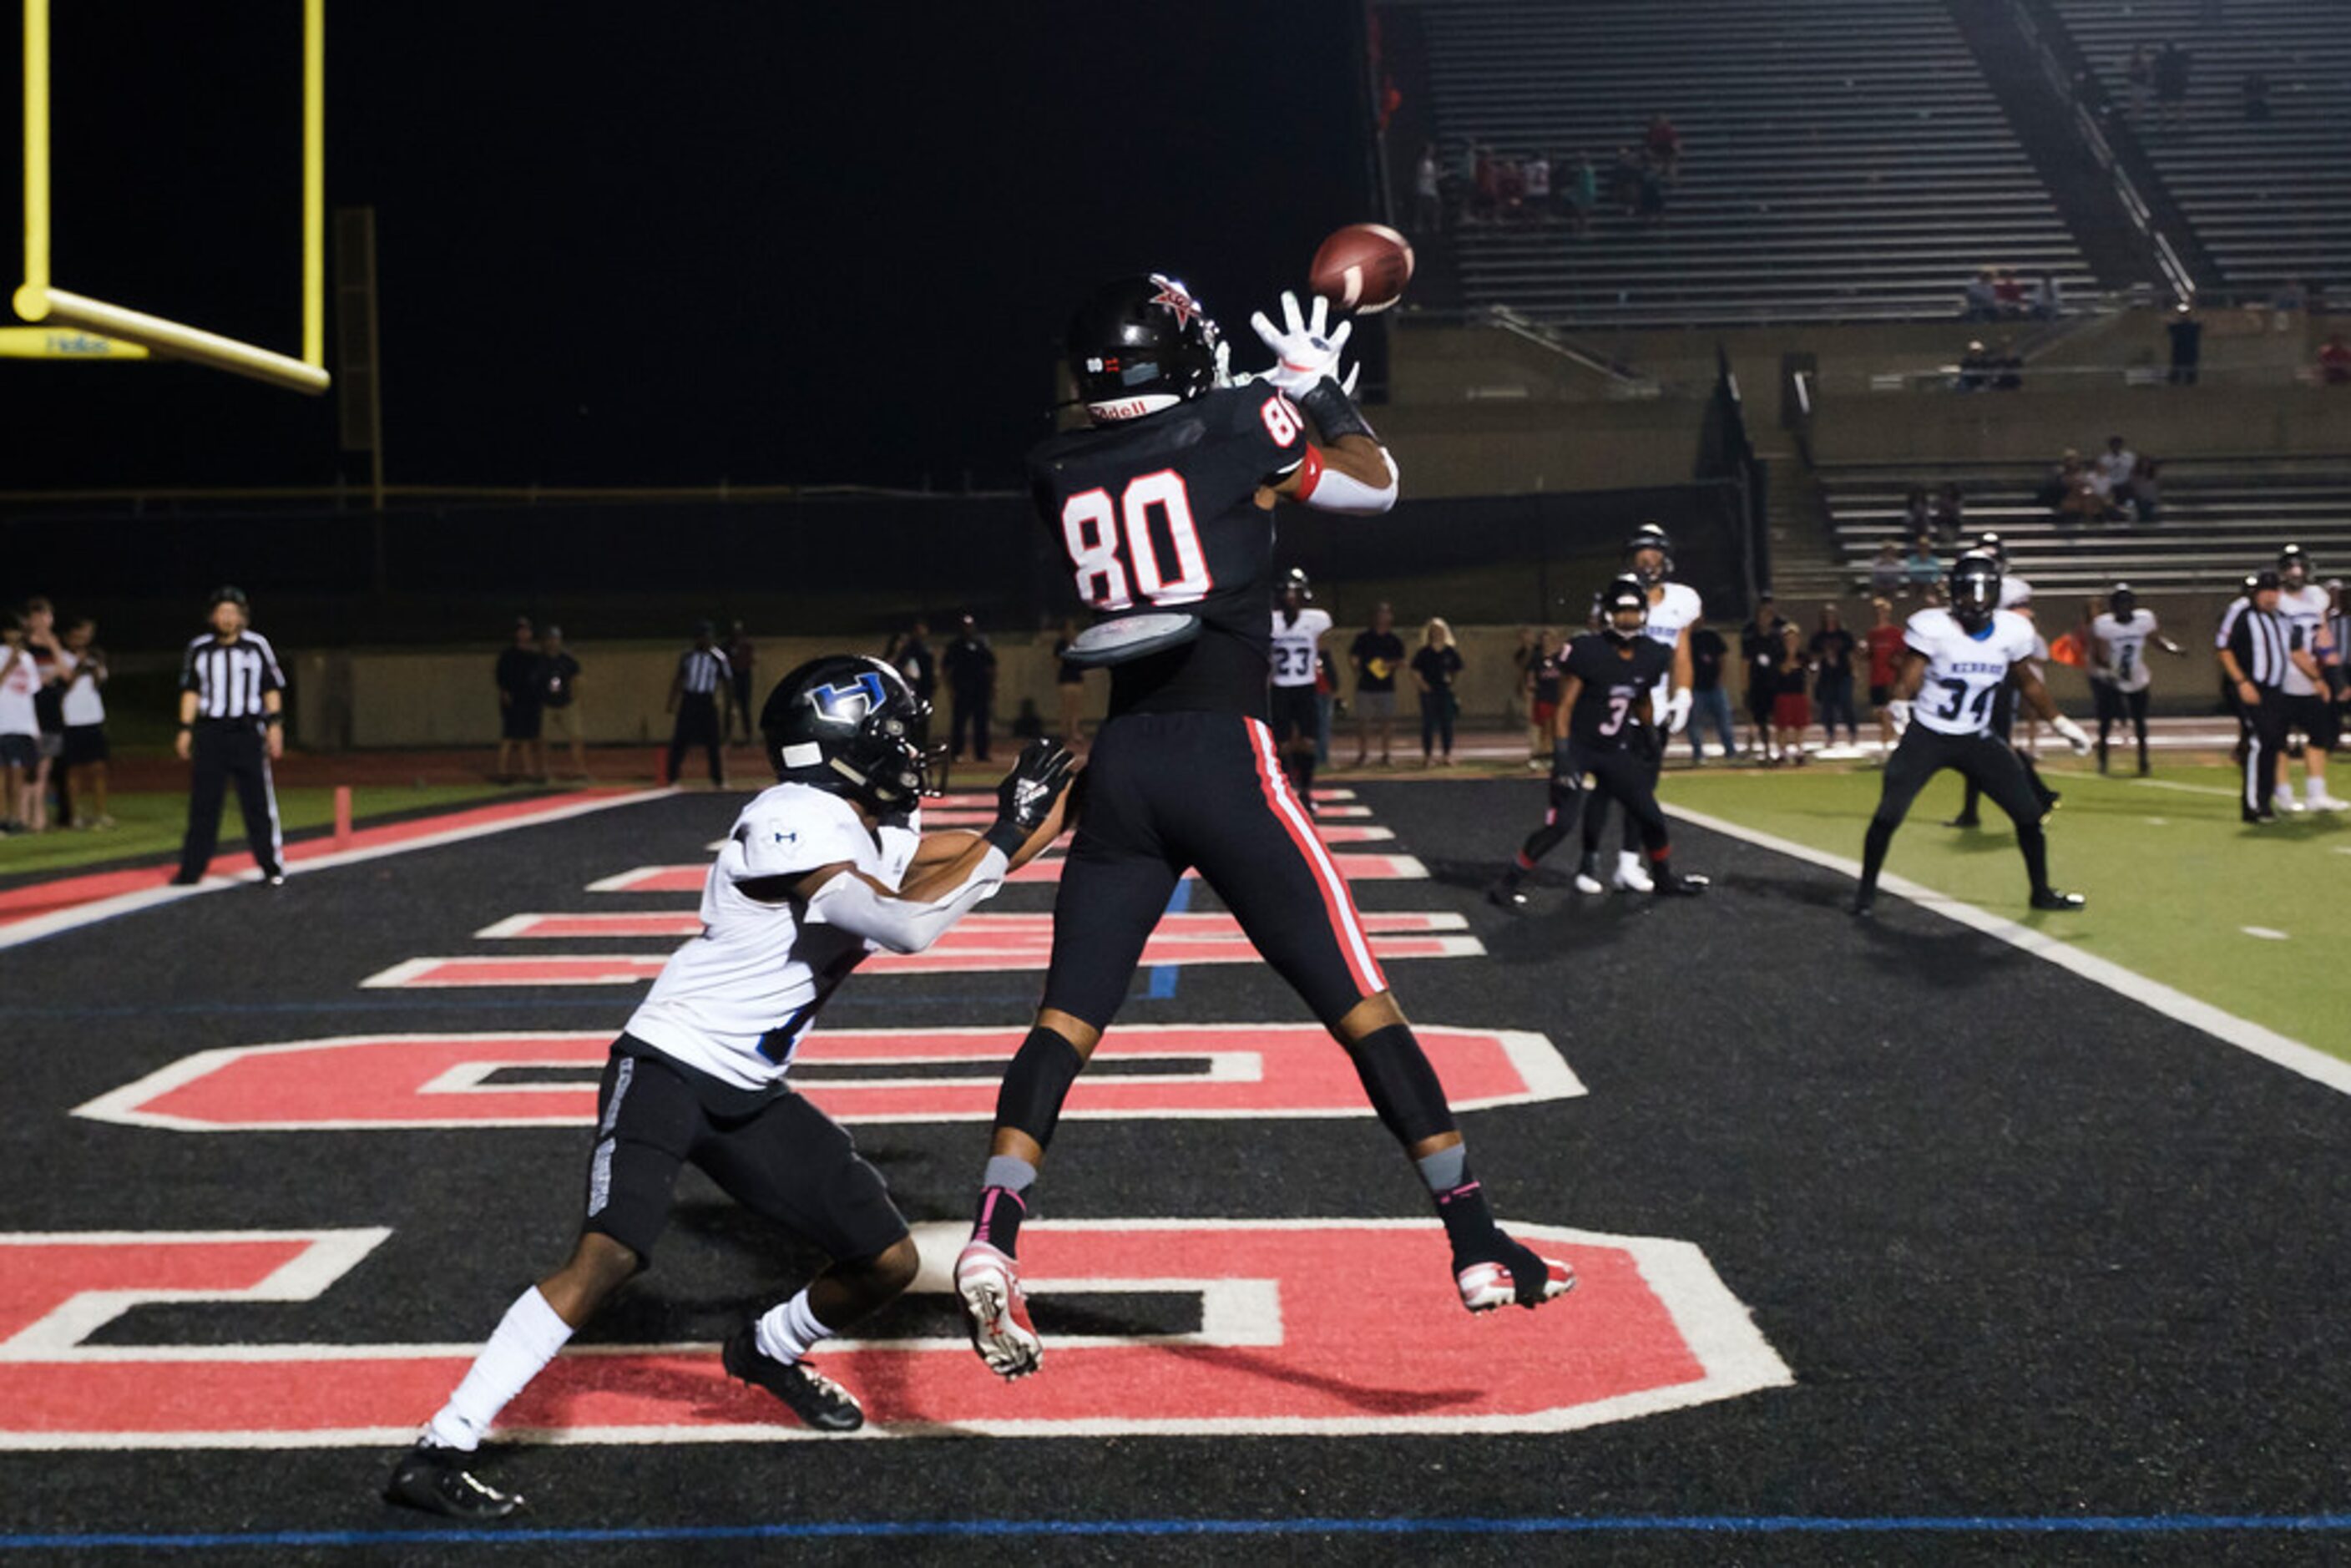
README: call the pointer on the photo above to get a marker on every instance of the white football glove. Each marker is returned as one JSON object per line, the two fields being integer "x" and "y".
{"x": 1677, "y": 711}
{"x": 1898, "y": 712}
{"x": 1225, "y": 377}
{"x": 1305, "y": 352}
{"x": 2074, "y": 734}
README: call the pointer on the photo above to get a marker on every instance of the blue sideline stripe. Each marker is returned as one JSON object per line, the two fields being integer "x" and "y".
{"x": 1701, "y": 1524}
{"x": 1163, "y": 976}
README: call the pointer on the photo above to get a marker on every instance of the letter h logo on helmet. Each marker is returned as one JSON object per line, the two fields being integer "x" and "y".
{"x": 849, "y": 705}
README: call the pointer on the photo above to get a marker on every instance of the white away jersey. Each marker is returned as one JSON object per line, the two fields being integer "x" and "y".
{"x": 735, "y": 1000}
{"x": 2306, "y": 607}
{"x": 1670, "y": 614}
{"x": 2013, "y": 591}
{"x": 2125, "y": 647}
{"x": 1293, "y": 645}
{"x": 1964, "y": 672}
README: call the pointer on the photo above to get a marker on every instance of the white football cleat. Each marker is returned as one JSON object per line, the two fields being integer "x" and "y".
{"x": 988, "y": 1281}
{"x": 2329, "y": 803}
{"x": 1631, "y": 876}
{"x": 1587, "y": 882}
{"x": 1485, "y": 1286}
{"x": 2285, "y": 803}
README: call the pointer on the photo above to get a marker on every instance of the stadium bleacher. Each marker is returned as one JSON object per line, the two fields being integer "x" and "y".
{"x": 1846, "y": 159}
{"x": 2222, "y": 517}
{"x": 2271, "y": 200}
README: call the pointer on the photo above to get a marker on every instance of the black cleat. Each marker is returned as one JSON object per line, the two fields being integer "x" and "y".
{"x": 1670, "y": 885}
{"x": 1507, "y": 896}
{"x": 1863, "y": 906}
{"x": 816, "y": 1399}
{"x": 183, "y": 879}
{"x": 1964, "y": 822}
{"x": 2050, "y": 898}
{"x": 434, "y": 1480}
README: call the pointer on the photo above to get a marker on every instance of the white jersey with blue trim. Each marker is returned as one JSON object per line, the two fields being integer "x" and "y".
{"x": 2306, "y": 607}
{"x": 737, "y": 1000}
{"x": 1671, "y": 613}
{"x": 1964, "y": 672}
{"x": 2125, "y": 644}
{"x": 1294, "y": 645}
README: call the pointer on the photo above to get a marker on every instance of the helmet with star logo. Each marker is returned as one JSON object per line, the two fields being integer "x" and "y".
{"x": 1139, "y": 345}
{"x": 852, "y": 726}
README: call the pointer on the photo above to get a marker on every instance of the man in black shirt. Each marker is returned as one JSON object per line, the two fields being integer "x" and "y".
{"x": 518, "y": 705}
{"x": 1761, "y": 647}
{"x": 1832, "y": 650}
{"x": 910, "y": 654}
{"x": 559, "y": 694}
{"x": 1376, "y": 653}
{"x": 1605, "y": 733}
{"x": 970, "y": 666}
{"x": 1710, "y": 702}
{"x": 1163, "y": 510}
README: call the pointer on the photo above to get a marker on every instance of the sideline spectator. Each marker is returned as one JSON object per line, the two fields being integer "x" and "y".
{"x": 1885, "y": 572}
{"x": 1326, "y": 698}
{"x": 517, "y": 675}
{"x": 1831, "y": 651}
{"x": 1434, "y": 669}
{"x": 742, "y": 658}
{"x": 2171, "y": 70}
{"x": 1792, "y": 710}
{"x": 559, "y": 697}
{"x": 20, "y": 728}
{"x": 2335, "y": 362}
{"x": 86, "y": 753}
{"x": 1376, "y": 653}
{"x": 1885, "y": 641}
{"x": 2187, "y": 345}
{"x": 1523, "y": 659}
{"x": 1710, "y": 702}
{"x": 51, "y": 664}
{"x": 969, "y": 665}
{"x": 1427, "y": 208}
{"x": 1759, "y": 650}
{"x": 1545, "y": 682}
{"x": 698, "y": 694}
{"x": 1070, "y": 688}
{"x": 910, "y": 654}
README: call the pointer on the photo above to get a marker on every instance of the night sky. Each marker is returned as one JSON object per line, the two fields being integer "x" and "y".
{"x": 668, "y": 243}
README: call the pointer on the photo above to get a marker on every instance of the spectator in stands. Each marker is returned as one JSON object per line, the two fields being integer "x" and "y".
{"x": 2008, "y": 292}
{"x": 1760, "y": 652}
{"x": 1581, "y": 191}
{"x": 517, "y": 675}
{"x": 1831, "y": 652}
{"x": 2007, "y": 367}
{"x": 2110, "y": 475}
{"x": 2187, "y": 344}
{"x": 2171, "y": 70}
{"x": 1975, "y": 367}
{"x": 1885, "y": 642}
{"x": 2048, "y": 298}
{"x": 84, "y": 709}
{"x": 2072, "y": 491}
{"x": 1510, "y": 189}
{"x": 1434, "y": 670}
{"x": 1918, "y": 511}
{"x": 2254, "y": 92}
{"x": 1920, "y": 566}
{"x": 1485, "y": 191}
{"x": 1535, "y": 173}
{"x": 1624, "y": 180}
{"x": 2139, "y": 77}
{"x": 558, "y": 695}
{"x": 969, "y": 664}
{"x": 1710, "y": 702}
{"x": 2146, "y": 490}
{"x": 1980, "y": 301}
{"x": 1792, "y": 710}
{"x": 1664, "y": 145}
{"x": 1651, "y": 194}
{"x": 1377, "y": 654}
{"x": 1885, "y": 572}
{"x": 2335, "y": 362}
{"x": 1428, "y": 206}
{"x": 1950, "y": 516}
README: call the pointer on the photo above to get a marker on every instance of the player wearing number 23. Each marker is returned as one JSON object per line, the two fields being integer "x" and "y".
{"x": 1165, "y": 509}
{"x": 1954, "y": 664}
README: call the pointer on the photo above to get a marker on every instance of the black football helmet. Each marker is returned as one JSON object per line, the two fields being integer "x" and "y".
{"x": 2294, "y": 565}
{"x": 1975, "y": 588}
{"x": 1627, "y": 594}
{"x": 1296, "y": 581}
{"x": 847, "y": 723}
{"x": 1991, "y": 544}
{"x": 1139, "y": 345}
{"x": 1649, "y": 537}
{"x": 2122, "y": 602}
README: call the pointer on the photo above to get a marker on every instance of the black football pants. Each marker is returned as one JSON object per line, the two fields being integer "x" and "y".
{"x": 219, "y": 751}
{"x": 2261, "y": 730}
{"x": 1988, "y": 763}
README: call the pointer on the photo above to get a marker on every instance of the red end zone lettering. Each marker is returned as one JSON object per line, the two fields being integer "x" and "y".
{"x": 375, "y": 1081}
{"x": 1276, "y": 1350}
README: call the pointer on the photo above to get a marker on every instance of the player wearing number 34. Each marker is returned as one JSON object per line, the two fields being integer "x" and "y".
{"x": 1953, "y": 665}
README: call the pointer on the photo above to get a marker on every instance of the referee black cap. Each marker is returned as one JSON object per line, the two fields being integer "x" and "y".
{"x": 227, "y": 594}
{"x": 704, "y": 629}
{"x": 2262, "y": 580}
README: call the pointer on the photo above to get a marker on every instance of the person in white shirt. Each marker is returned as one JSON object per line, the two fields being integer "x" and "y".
{"x": 20, "y": 726}
{"x": 2119, "y": 678}
{"x": 86, "y": 754}
{"x": 1957, "y": 662}
{"x": 826, "y": 867}
{"x": 2110, "y": 475}
{"x": 2309, "y": 706}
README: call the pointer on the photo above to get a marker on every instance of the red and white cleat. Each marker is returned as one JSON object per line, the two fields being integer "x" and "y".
{"x": 988, "y": 1281}
{"x": 1490, "y": 1283}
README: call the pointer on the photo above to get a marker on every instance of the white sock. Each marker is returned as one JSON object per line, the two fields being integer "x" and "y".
{"x": 1627, "y": 860}
{"x": 2314, "y": 789}
{"x": 527, "y": 1339}
{"x": 788, "y": 1332}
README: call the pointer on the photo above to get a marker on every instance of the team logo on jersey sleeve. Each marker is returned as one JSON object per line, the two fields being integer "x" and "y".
{"x": 850, "y": 704}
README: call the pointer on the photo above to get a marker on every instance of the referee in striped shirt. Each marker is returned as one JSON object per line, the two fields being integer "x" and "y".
{"x": 232, "y": 702}
{"x": 698, "y": 695}
{"x": 2260, "y": 645}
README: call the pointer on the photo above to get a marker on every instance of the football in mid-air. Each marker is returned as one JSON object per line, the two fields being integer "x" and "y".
{"x": 1362, "y": 267}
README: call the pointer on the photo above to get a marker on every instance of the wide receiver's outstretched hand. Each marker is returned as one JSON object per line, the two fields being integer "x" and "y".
{"x": 1304, "y": 351}
{"x": 1025, "y": 797}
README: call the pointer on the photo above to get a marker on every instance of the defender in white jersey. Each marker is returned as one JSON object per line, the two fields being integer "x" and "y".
{"x": 2309, "y": 705}
{"x": 827, "y": 866}
{"x": 2015, "y": 594}
{"x": 1954, "y": 664}
{"x": 2119, "y": 678}
{"x": 1297, "y": 650}
{"x": 1674, "y": 609}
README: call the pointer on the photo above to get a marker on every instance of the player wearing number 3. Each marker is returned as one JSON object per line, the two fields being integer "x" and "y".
{"x": 1164, "y": 508}
{"x": 1955, "y": 663}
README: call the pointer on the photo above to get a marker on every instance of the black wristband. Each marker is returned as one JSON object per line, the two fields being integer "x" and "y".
{"x": 1335, "y": 414}
{"x": 1007, "y": 836}
{"x": 269, "y": 719}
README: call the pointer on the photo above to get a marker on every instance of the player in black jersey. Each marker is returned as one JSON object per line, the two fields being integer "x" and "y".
{"x": 1606, "y": 730}
{"x": 1163, "y": 507}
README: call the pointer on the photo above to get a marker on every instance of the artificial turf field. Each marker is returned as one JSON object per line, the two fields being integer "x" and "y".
{"x": 1898, "y": 1243}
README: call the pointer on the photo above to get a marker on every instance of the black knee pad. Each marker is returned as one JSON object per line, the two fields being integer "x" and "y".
{"x": 1403, "y": 1086}
{"x": 1037, "y": 1083}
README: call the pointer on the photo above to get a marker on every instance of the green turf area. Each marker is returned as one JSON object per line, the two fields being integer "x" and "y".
{"x": 150, "y": 824}
{"x": 2173, "y": 878}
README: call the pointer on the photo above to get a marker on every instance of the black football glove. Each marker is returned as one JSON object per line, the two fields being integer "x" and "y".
{"x": 1026, "y": 797}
